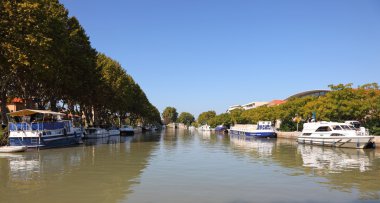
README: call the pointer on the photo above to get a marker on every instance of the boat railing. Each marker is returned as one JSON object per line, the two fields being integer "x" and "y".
{"x": 37, "y": 126}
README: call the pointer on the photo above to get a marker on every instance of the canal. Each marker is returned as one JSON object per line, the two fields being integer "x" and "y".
{"x": 183, "y": 166}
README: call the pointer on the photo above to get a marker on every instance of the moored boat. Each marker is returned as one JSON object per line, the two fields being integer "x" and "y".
{"x": 221, "y": 129}
{"x": 126, "y": 130}
{"x": 113, "y": 131}
{"x": 41, "y": 129}
{"x": 262, "y": 129}
{"x": 95, "y": 132}
{"x": 12, "y": 149}
{"x": 334, "y": 134}
{"x": 205, "y": 128}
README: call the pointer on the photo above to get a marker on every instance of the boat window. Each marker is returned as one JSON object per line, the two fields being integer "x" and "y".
{"x": 345, "y": 127}
{"x": 306, "y": 134}
{"x": 336, "y": 127}
{"x": 356, "y": 124}
{"x": 323, "y": 129}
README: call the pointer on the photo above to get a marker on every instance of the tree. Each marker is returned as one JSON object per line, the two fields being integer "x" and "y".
{"x": 169, "y": 115}
{"x": 186, "y": 118}
{"x": 222, "y": 119}
{"x": 204, "y": 117}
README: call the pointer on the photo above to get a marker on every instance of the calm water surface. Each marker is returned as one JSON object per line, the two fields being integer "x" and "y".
{"x": 183, "y": 166}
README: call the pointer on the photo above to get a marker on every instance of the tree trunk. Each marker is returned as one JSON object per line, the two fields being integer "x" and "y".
{"x": 3, "y": 98}
{"x": 53, "y": 104}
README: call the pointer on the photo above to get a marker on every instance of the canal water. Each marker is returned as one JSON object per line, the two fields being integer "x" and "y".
{"x": 183, "y": 166}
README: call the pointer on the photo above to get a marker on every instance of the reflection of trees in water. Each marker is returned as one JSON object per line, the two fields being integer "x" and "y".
{"x": 97, "y": 173}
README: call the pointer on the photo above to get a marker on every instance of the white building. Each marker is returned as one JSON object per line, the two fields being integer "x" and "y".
{"x": 250, "y": 105}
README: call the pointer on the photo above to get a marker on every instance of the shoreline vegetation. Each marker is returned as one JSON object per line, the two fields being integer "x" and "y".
{"x": 47, "y": 60}
{"x": 342, "y": 103}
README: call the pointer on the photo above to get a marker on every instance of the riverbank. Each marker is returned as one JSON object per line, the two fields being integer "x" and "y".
{"x": 294, "y": 135}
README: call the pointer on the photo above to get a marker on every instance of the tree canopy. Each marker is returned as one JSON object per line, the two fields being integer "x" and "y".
{"x": 169, "y": 115}
{"x": 47, "y": 59}
{"x": 204, "y": 117}
{"x": 186, "y": 118}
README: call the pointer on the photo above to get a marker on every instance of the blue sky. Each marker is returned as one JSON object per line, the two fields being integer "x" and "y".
{"x": 199, "y": 55}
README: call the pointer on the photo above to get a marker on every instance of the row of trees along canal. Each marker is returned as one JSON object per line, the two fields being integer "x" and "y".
{"x": 46, "y": 58}
{"x": 343, "y": 103}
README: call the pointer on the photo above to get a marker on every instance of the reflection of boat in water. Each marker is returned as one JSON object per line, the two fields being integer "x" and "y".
{"x": 262, "y": 129}
{"x": 263, "y": 146}
{"x": 334, "y": 134}
{"x": 334, "y": 159}
{"x": 78, "y": 173}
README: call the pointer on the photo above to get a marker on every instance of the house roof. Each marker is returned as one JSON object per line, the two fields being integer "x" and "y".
{"x": 276, "y": 102}
{"x": 17, "y": 100}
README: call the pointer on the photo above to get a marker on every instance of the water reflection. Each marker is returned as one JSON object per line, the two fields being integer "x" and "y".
{"x": 190, "y": 166}
{"x": 263, "y": 147}
{"x": 335, "y": 159}
{"x": 102, "y": 170}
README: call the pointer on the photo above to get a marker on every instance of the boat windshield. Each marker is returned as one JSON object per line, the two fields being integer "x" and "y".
{"x": 345, "y": 127}
{"x": 336, "y": 127}
{"x": 264, "y": 127}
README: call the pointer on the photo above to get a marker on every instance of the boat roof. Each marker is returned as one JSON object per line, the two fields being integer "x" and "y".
{"x": 28, "y": 112}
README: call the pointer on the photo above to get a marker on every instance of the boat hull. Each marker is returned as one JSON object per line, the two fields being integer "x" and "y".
{"x": 255, "y": 134}
{"x": 126, "y": 132}
{"x": 358, "y": 142}
{"x": 46, "y": 142}
{"x": 12, "y": 149}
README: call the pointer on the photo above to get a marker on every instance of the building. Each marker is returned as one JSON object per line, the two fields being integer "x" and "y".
{"x": 252, "y": 105}
{"x": 16, "y": 104}
{"x": 248, "y": 106}
{"x": 275, "y": 102}
{"x": 316, "y": 93}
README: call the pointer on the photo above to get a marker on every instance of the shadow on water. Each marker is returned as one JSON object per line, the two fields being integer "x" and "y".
{"x": 102, "y": 170}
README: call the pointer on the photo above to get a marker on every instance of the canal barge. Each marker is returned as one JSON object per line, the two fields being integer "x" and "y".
{"x": 263, "y": 129}
{"x": 95, "y": 132}
{"x": 42, "y": 129}
{"x": 335, "y": 134}
{"x": 126, "y": 130}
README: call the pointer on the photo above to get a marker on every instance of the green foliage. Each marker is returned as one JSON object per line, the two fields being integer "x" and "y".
{"x": 341, "y": 104}
{"x": 222, "y": 119}
{"x": 169, "y": 115}
{"x": 47, "y": 56}
{"x": 204, "y": 117}
{"x": 186, "y": 118}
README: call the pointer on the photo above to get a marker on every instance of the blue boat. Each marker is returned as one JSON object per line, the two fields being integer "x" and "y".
{"x": 262, "y": 129}
{"x": 42, "y": 129}
{"x": 221, "y": 128}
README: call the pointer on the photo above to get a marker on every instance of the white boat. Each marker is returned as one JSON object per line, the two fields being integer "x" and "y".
{"x": 94, "y": 132}
{"x": 126, "y": 130}
{"x": 113, "y": 132}
{"x": 11, "y": 149}
{"x": 334, "y": 134}
{"x": 262, "y": 129}
{"x": 204, "y": 128}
